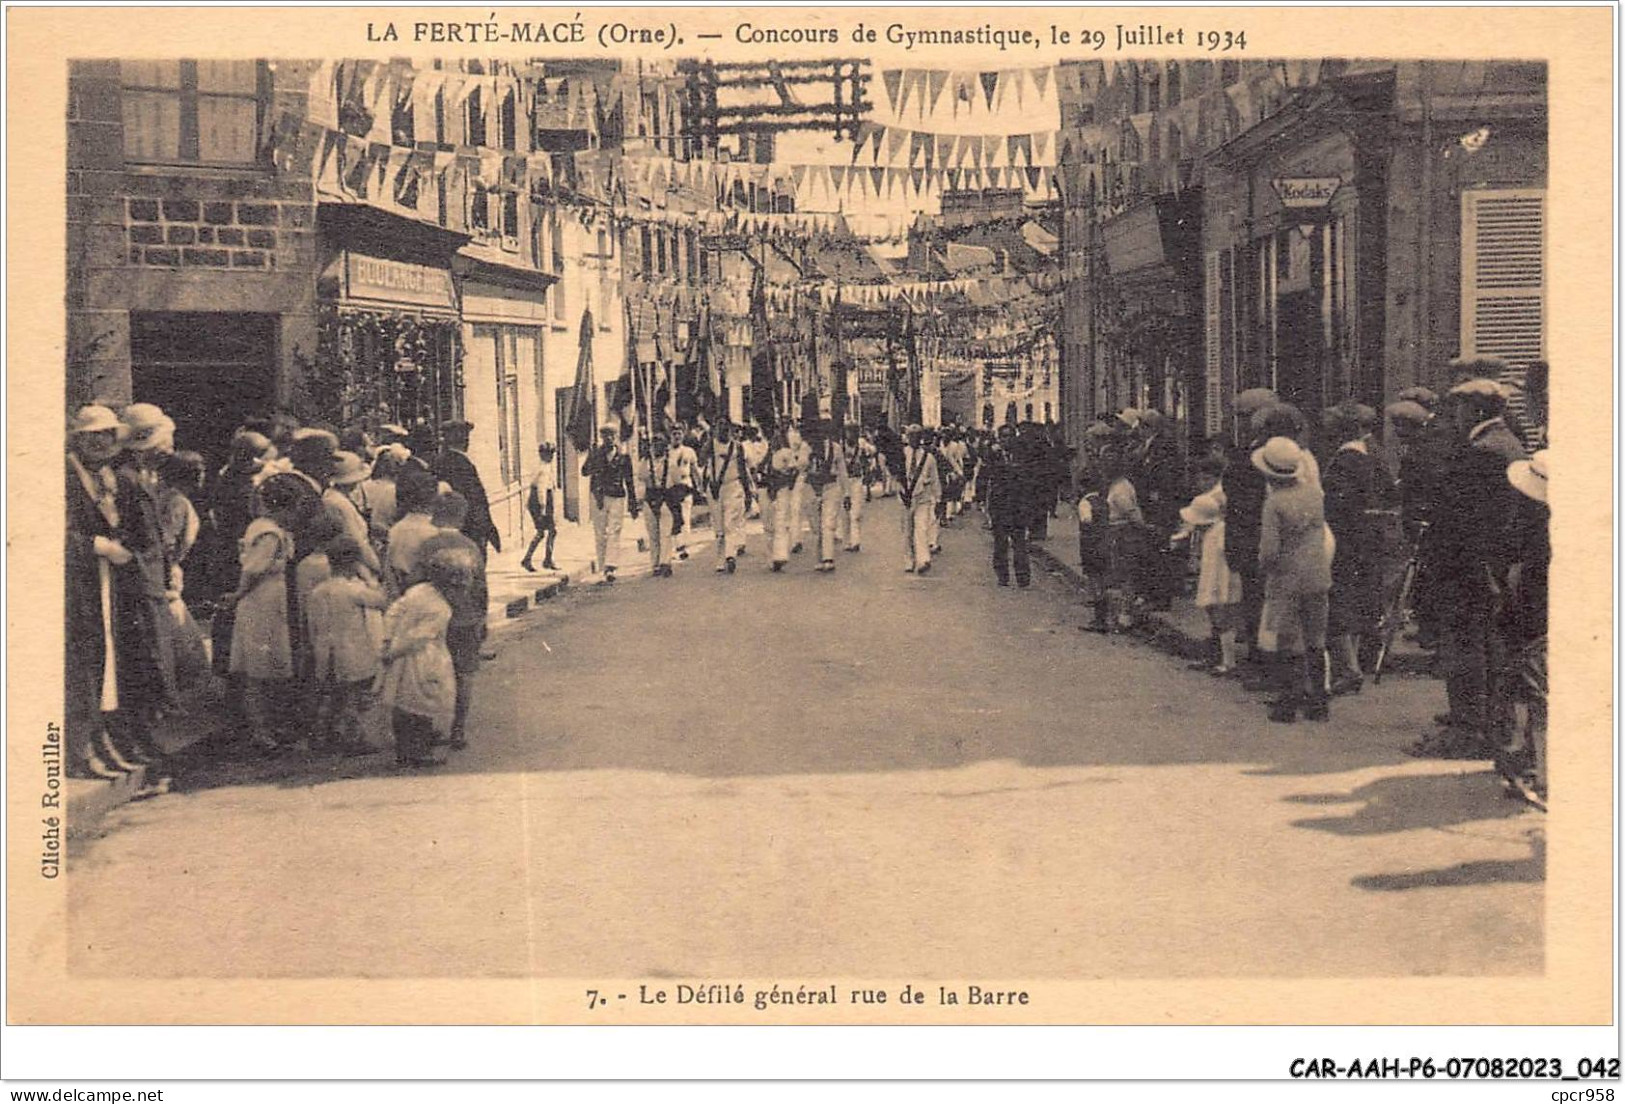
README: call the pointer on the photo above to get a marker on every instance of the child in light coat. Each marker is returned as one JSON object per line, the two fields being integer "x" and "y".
{"x": 419, "y": 682}
{"x": 345, "y": 617}
{"x": 1218, "y": 589}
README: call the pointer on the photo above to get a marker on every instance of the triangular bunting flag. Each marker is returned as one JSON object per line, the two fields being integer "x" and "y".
{"x": 918, "y": 177}
{"x": 894, "y": 145}
{"x": 916, "y": 144}
{"x": 945, "y": 147}
{"x": 936, "y": 81}
{"x": 892, "y": 78}
{"x": 990, "y": 84}
{"x": 1043, "y": 137}
{"x": 798, "y": 173}
{"x": 1032, "y": 177}
{"x": 906, "y": 85}
{"x": 877, "y": 177}
{"x": 1041, "y": 79}
{"x": 837, "y": 175}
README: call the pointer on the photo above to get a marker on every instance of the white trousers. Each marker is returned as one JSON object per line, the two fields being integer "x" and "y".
{"x": 825, "y": 507}
{"x": 918, "y": 520}
{"x": 728, "y": 518}
{"x": 606, "y": 529}
{"x": 656, "y": 522}
{"x": 779, "y": 512}
{"x": 852, "y": 525}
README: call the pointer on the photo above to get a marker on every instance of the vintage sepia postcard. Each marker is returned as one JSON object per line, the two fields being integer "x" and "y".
{"x": 812, "y": 516}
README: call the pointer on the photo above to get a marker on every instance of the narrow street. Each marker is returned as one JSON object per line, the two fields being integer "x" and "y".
{"x": 868, "y": 773}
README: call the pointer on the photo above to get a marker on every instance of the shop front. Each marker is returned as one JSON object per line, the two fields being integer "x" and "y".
{"x": 505, "y": 380}
{"x": 1293, "y": 255}
{"x": 390, "y": 342}
{"x": 1150, "y": 309}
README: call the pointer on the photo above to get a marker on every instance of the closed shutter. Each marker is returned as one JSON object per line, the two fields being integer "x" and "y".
{"x": 1503, "y": 274}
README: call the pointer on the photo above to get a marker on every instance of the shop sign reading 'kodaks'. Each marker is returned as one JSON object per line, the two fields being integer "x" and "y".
{"x": 1306, "y": 191}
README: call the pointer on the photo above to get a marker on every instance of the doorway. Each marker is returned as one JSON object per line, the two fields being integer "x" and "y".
{"x": 208, "y": 371}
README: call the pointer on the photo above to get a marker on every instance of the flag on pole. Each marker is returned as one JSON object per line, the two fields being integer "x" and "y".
{"x": 580, "y": 424}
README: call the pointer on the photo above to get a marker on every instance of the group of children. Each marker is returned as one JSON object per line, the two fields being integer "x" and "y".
{"x": 326, "y": 627}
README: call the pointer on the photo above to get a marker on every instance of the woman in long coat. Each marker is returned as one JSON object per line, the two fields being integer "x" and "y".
{"x": 1356, "y": 486}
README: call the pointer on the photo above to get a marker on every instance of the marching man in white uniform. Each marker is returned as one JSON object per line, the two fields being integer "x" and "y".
{"x": 921, "y": 488}
{"x": 732, "y": 490}
{"x": 825, "y": 477}
{"x": 656, "y": 483}
{"x": 859, "y": 456}
{"x": 782, "y": 477}
{"x": 800, "y": 496}
{"x": 685, "y": 477}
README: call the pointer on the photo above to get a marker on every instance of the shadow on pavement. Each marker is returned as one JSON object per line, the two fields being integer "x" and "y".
{"x": 1481, "y": 872}
{"x": 1409, "y": 802}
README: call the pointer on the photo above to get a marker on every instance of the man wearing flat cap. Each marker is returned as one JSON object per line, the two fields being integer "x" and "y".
{"x": 1471, "y": 546}
{"x": 457, "y": 470}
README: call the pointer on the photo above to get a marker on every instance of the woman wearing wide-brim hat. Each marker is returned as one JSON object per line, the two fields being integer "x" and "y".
{"x": 1294, "y": 552}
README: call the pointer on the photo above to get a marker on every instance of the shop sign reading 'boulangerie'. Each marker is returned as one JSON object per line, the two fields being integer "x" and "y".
{"x": 386, "y": 281}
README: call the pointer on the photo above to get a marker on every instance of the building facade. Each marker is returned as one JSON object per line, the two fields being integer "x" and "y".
{"x": 1330, "y": 229}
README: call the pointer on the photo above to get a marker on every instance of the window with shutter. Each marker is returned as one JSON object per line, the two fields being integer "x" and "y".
{"x": 1503, "y": 274}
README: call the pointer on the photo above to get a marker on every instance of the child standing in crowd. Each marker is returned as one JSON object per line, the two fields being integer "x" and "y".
{"x": 345, "y": 616}
{"x": 261, "y": 647}
{"x": 1218, "y": 589}
{"x": 539, "y": 502}
{"x": 1294, "y": 549}
{"x": 419, "y": 684}
{"x": 465, "y": 634}
{"x": 1128, "y": 544}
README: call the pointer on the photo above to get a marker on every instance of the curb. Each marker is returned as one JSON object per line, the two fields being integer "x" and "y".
{"x": 89, "y": 800}
{"x": 1158, "y": 632}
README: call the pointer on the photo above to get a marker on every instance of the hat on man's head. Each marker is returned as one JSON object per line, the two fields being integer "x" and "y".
{"x": 1252, "y": 400}
{"x": 349, "y": 469}
{"x": 313, "y": 448}
{"x": 1204, "y": 509}
{"x": 1279, "y": 458}
{"x": 1529, "y": 476}
{"x": 1129, "y": 417}
{"x": 1349, "y": 415}
{"x": 456, "y": 428}
{"x": 1097, "y": 430}
{"x": 1419, "y": 395}
{"x": 391, "y": 432}
{"x": 150, "y": 428}
{"x": 1477, "y": 367}
{"x": 1479, "y": 389}
{"x": 1408, "y": 412}
{"x": 95, "y": 418}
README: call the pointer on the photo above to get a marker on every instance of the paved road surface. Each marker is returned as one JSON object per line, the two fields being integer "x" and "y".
{"x": 867, "y": 774}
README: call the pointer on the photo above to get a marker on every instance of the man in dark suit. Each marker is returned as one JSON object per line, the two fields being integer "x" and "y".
{"x": 1244, "y": 488}
{"x": 1010, "y": 491}
{"x": 1472, "y": 548}
{"x": 458, "y": 471}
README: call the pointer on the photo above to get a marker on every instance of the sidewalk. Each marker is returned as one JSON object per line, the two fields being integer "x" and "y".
{"x": 515, "y": 591}
{"x": 1183, "y": 630}
{"x": 206, "y": 718}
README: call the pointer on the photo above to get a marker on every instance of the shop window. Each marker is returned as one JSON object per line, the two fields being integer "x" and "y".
{"x": 479, "y": 210}
{"x": 1503, "y": 274}
{"x": 195, "y": 112}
